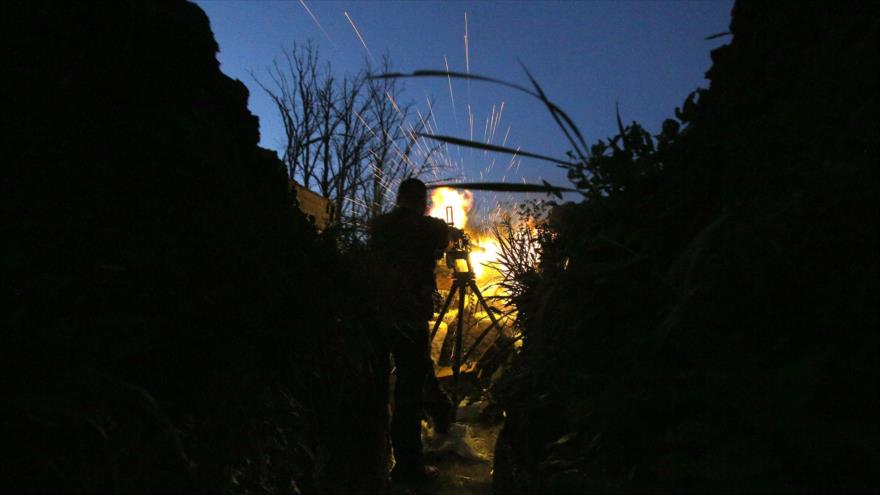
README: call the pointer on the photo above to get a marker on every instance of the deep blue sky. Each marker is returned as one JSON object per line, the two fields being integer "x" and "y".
{"x": 587, "y": 55}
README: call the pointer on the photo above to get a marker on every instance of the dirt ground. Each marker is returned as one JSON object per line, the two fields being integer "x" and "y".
{"x": 464, "y": 455}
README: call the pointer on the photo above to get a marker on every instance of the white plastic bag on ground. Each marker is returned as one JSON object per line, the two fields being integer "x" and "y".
{"x": 465, "y": 441}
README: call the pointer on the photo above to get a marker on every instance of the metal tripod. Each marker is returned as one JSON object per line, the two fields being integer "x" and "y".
{"x": 461, "y": 282}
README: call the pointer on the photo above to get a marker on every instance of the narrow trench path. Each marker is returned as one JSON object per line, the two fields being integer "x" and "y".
{"x": 464, "y": 455}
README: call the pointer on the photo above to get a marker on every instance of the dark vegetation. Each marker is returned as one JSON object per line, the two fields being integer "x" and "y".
{"x": 349, "y": 137}
{"x": 706, "y": 322}
{"x": 172, "y": 323}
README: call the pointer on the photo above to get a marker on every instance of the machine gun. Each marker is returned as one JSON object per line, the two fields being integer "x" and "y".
{"x": 463, "y": 278}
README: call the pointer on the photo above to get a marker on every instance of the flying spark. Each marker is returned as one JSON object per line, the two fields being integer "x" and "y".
{"x": 504, "y": 142}
{"x": 303, "y": 3}
{"x": 486, "y": 127}
{"x": 471, "y": 120}
{"x": 451, "y": 98}
{"x": 358, "y": 33}
{"x": 491, "y": 125}
{"x": 467, "y": 56}
{"x": 426, "y": 125}
{"x": 497, "y": 121}
{"x": 431, "y": 112}
{"x": 512, "y": 159}
{"x": 393, "y": 103}
{"x": 363, "y": 122}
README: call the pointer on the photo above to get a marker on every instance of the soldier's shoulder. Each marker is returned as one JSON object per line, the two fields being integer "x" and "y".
{"x": 382, "y": 220}
{"x": 432, "y": 224}
{"x": 435, "y": 222}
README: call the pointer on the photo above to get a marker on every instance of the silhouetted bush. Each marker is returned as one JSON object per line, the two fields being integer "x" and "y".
{"x": 705, "y": 322}
{"x": 172, "y": 321}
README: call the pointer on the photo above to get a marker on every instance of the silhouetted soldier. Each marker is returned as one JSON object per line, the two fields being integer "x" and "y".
{"x": 408, "y": 244}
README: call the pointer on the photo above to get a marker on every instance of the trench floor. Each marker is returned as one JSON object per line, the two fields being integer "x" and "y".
{"x": 464, "y": 456}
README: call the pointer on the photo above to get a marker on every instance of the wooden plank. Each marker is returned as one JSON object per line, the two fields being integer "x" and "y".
{"x": 314, "y": 205}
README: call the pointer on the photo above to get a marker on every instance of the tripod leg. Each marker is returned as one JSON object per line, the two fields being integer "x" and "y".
{"x": 442, "y": 313}
{"x": 494, "y": 324}
{"x": 447, "y": 346}
{"x": 456, "y": 356}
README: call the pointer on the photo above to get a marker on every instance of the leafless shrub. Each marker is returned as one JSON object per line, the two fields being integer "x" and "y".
{"x": 350, "y": 139}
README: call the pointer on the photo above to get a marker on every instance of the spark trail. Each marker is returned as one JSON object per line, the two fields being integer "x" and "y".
{"x": 358, "y": 33}
{"x": 364, "y": 122}
{"x": 491, "y": 126}
{"x": 303, "y": 3}
{"x": 467, "y": 55}
{"x": 471, "y": 121}
{"x": 489, "y": 118}
{"x": 497, "y": 121}
{"x": 431, "y": 112}
{"x": 451, "y": 98}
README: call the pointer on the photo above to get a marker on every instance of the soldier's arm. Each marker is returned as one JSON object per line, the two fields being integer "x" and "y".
{"x": 439, "y": 232}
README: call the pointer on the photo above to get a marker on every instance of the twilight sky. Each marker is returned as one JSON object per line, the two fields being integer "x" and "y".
{"x": 586, "y": 55}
